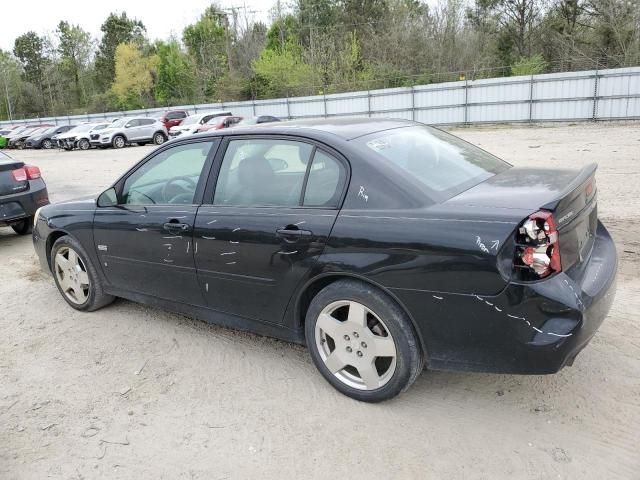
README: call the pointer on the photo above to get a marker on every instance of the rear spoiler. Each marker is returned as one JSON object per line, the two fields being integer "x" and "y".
{"x": 572, "y": 190}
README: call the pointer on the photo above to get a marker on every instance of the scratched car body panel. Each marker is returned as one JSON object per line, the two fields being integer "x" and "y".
{"x": 500, "y": 268}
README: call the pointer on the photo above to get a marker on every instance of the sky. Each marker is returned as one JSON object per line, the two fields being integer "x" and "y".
{"x": 161, "y": 17}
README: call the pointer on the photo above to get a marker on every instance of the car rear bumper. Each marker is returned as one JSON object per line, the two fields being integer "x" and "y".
{"x": 534, "y": 328}
{"x": 21, "y": 205}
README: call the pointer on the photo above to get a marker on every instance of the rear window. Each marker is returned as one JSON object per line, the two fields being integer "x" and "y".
{"x": 443, "y": 164}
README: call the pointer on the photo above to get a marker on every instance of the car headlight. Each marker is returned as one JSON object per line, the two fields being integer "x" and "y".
{"x": 36, "y": 216}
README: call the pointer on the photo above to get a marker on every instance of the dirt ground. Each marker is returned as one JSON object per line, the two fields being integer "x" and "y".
{"x": 132, "y": 392}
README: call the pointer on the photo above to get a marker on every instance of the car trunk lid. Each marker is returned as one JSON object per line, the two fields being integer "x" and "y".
{"x": 569, "y": 194}
{"x": 8, "y": 183}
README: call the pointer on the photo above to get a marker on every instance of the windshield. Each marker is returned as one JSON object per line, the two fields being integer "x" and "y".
{"x": 81, "y": 128}
{"x": 446, "y": 165}
{"x": 102, "y": 126}
{"x": 120, "y": 123}
{"x": 248, "y": 121}
{"x": 191, "y": 120}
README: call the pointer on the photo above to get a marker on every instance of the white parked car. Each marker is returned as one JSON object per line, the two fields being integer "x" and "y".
{"x": 193, "y": 122}
{"x": 140, "y": 130}
{"x": 77, "y": 137}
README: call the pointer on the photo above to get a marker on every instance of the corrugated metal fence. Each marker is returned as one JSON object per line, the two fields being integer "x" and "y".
{"x": 573, "y": 96}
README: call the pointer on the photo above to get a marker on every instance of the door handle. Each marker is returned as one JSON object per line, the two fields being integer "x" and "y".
{"x": 175, "y": 227}
{"x": 293, "y": 232}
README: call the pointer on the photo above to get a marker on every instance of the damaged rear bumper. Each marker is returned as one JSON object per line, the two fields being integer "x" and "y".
{"x": 534, "y": 328}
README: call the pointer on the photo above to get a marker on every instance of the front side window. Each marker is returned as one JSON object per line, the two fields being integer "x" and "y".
{"x": 171, "y": 177}
{"x": 261, "y": 172}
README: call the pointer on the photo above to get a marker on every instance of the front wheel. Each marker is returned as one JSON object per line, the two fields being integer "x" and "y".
{"x": 362, "y": 342}
{"x": 118, "y": 141}
{"x": 84, "y": 144}
{"x": 46, "y": 143}
{"x": 75, "y": 276}
{"x": 159, "y": 138}
{"x": 23, "y": 227}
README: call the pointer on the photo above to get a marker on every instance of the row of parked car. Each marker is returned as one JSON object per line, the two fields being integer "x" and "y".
{"x": 121, "y": 132}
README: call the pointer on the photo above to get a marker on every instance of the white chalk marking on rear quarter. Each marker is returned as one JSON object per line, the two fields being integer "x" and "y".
{"x": 437, "y": 298}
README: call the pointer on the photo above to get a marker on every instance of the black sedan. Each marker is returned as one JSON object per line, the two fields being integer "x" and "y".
{"x": 383, "y": 245}
{"x": 44, "y": 139}
{"x": 22, "y": 192}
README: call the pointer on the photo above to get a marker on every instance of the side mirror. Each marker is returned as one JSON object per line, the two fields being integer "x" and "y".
{"x": 108, "y": 198}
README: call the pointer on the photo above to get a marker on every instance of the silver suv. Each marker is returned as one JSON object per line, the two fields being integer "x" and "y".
{"x": 140, "y": 130}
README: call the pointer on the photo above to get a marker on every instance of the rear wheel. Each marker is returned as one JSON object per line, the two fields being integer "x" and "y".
{"x": 84, "y": 144}
{"x": 118, "y": 141}
{"x": 75, "y": 276}
{"x": 362, "y": 341}
{"x": 23, "y": 227}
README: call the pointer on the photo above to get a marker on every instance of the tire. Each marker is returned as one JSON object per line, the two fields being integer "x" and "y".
{"x": 118, "y": 141}
{"x": 83, "y": 144}
{"x": 387, "y": 329}
{"x": 47, "y": 144}
{"x": 159, "y": 138}
{"x": 24, "y": 226}
{"x": 68, "y": 277}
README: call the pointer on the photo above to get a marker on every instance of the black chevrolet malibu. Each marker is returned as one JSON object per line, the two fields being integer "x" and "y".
{"x": 383, "y": 245}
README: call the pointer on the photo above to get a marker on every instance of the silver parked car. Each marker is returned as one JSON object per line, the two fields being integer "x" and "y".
{"x": 140, "y": 130}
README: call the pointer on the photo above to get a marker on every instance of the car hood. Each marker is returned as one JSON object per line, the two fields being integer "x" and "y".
{"x": 517, "y": 188}
{"x": 105, "y": 131}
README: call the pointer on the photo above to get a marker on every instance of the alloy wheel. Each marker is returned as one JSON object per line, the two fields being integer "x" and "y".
{"x": 355, "y": 345}
{"x": 84, "y": 144}
{"x": 158, "y": 139}
{"x": 46, "y": 144}
{"x": 119, "y": 142}
{"x": 72, "y": 275}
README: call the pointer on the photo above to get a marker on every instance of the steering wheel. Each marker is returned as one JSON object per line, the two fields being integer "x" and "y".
{"x": 184, "y": 191}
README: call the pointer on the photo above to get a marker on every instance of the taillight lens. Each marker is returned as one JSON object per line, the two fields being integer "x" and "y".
{"x": 32, "y": 172}
{"x": 28, "y": 172}
{"x": 538, "y": 250}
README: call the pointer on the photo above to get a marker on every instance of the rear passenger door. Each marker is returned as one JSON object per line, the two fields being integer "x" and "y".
{"x": 146, "y": 128}
{"x": 271, "y": 212}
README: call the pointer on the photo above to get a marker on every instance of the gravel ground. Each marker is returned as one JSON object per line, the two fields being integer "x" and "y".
{"x": 134, "y": 392}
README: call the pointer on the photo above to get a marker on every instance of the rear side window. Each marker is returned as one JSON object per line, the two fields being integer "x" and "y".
{"x": 146, "y": 121}
{"x": 326, "y": 181}
{"x": 443, "y": 164}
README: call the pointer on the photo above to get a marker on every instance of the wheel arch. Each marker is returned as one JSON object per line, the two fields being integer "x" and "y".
{"x": 51, "y": 239}
{"x": 317, "y": 283}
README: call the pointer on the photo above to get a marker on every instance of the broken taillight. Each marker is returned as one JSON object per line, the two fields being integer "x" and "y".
{"x": 538, "y": 250}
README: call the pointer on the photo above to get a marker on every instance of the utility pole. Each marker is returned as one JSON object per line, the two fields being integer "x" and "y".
{"x": 6, "y": 91}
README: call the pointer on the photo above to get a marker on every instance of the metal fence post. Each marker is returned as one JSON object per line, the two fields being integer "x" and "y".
{"x": 288, "y": 109}
{"x": 324, "y": 101}
{"x": 253, "y": 105}
{"x": 594, "y": 114}
{"x": 369, "y": 103}
{"x": 413, "y": 102}
{"x": 466, "y": 100}
{"x": 531, "y": 99}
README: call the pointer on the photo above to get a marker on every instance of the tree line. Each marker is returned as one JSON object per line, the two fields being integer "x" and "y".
{"x": 311, "y": 47}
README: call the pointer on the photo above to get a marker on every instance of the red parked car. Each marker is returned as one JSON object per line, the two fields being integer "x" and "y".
{"x": 218, "y": 123}
{"x": 171, "y": 118}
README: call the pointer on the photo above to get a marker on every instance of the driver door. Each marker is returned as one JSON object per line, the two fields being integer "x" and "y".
{"x": 145, "y": 242}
